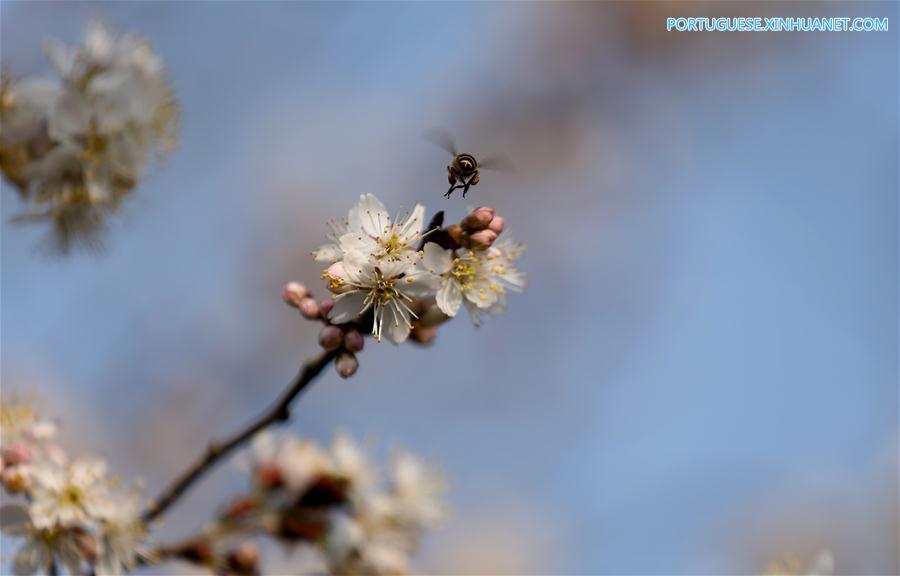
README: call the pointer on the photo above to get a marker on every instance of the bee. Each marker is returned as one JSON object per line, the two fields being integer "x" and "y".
{"x": 463, "y": 171}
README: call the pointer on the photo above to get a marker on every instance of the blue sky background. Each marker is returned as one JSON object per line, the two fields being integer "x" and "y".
{"x": 703, "y": 372}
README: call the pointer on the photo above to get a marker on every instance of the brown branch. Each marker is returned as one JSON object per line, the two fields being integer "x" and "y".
{"x": 280, "y": 411}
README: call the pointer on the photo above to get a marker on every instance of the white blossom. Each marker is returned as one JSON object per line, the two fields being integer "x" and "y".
{"x": 480, "y": 279}
{"x": 76, "y": 148}
{"x": 351, "y": 463}
{"x": 383, "y": 527}
{"x": 73, "y": 495}
{"x": 417, "y": 490}
{"x": 43, "y": 547}
{"x": 369, "y": 229}
{"x": 295, "y": 462}
{"x": 388, "y": 287}
{"x": 26, "y": 438}
{"x": 122, "y": 538}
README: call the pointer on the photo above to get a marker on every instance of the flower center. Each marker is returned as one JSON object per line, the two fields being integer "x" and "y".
{"x": 383, "y": 291}
{"x": 334, "y": 282}
{"x": 392, "y": 247}
{"x": 464, "y": 270}
{"x": 72, "y": 496}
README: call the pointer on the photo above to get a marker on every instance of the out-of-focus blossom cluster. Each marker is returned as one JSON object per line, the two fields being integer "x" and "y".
{"x": 335, "y": 500}
{"x": 75, "y": 147}
{"x": 821, "y": 565}
{"x": 72, "y": 517}
{"x": 395, "y": 277}
{"x": 67, "y": 511}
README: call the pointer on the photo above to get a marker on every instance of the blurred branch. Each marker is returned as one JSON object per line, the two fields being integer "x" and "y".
{"x": 280, "y": 411}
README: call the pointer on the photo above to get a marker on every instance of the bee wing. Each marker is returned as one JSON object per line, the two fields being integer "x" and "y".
{"x": 441, "y": 138}
{"x": 498, "y": 162}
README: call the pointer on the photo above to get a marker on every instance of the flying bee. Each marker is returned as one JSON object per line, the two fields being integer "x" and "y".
{"x": 463, "y": 171}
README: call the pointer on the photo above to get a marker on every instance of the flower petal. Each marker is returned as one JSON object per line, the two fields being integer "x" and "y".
{"x": 70, "y": 118}
{"x": 481, "y": 295}
{"x": 412, "y": 226}
{"x": 358, "y": 269}
{"x": 398, "y": 330}
{"x": 61, "y": 58}
{"x": 359, "y": 243}
{"x": 436, "y": 260}
{"x": 449, "y": 297}
{"x": 328, "y": 253}
{"x": 32, "y": 558}
{"x": 372, "y": 217}
{"x": 348, "y": 307}
{"x": 394, "y": 268}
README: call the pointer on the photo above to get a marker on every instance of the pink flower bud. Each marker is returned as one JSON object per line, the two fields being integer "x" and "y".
{"x": 346, "y": 364}
{"x": 354, "y": 341}
{"x": 478, "y": 219}
{"x": 16, "y": 453}
{"x": 325, "y": 307}
{"x": 293, "y": 293}
{"x": 496, "y": 225}
{"x": 481, "y": 240}
{"x": 331, "y": 338}
{"x": 309, "y": 308}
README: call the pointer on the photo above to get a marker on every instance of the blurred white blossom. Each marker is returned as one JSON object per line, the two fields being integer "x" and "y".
{"x": 71, "y": 495}
{"x": 122, "y": 537}
{"x": 363, "y": 522}
{"x": 822, "y": 564}
{"x": 43, "y": 548}
{"x": 70, "y": 512}
{"x": 76, "y": 147}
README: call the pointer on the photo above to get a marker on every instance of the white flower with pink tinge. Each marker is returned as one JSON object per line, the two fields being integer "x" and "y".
{"x": 369, "y": 229}
{"x": 388, "y": 287}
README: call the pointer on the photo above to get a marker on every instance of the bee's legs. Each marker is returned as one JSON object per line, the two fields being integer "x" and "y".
{"x": 473, "y": 180}
{"x": 452, "y": 188}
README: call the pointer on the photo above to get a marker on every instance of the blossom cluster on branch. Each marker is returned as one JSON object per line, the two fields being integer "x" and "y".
{"x": 74, "y": 148}
{"x": 69, "y": 512}
{"x": 333, "y": 500}
{"x": 71, "y": 515}
{"x": 397, "y": 277}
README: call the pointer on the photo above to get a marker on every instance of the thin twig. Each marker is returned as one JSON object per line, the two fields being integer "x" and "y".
{"x": 280, "y": 411}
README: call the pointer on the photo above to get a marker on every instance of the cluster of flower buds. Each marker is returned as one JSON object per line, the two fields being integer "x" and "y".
{"x": 69, "y": 513}
{"x": 335, "y": 501}
{"x": 404, "y": 280}
{"x": 75, "y": 148}
{"x": 344, "y": 340}
{"x": 477, "y": 231}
